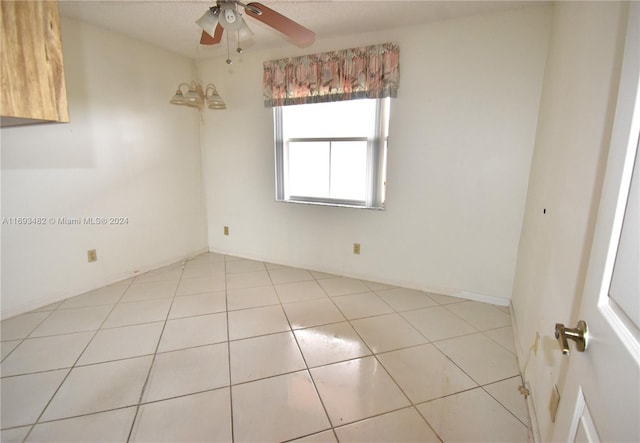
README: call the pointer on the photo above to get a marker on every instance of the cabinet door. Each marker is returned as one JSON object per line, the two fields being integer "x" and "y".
{"x": 33, "y": 86}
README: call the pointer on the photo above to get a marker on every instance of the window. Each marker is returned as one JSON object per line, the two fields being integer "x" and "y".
{"x": 332, "y": 153}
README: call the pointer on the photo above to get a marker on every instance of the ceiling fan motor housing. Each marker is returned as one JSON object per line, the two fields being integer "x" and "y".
{"x": 229, "y": 17}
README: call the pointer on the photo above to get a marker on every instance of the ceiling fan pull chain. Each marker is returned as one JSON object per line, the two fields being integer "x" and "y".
{"x": 239, "y": 49}
{"x": 229, "y": 61}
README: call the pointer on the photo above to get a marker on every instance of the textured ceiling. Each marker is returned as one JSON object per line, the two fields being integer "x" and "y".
{"x": 170, "y": 24}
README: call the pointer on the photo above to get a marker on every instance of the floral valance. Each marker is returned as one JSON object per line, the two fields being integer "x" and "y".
{"x": 366, "y": 72}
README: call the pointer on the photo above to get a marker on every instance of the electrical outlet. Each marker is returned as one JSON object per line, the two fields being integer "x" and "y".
{"x": 226, "y": 230}
{"x": 92, "y": 255}
{"x": 356, "y": 248}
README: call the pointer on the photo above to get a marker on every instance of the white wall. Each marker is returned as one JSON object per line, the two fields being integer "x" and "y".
{"x": 461, "y": 139}
{"x": 580, "y": 87}
{"x": 127, "y": 152}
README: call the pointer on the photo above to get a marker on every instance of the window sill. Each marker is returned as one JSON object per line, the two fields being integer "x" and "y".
{"x": 334, "y": 204}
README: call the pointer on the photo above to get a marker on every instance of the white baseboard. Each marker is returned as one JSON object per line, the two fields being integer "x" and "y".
{"x": 491, "y": 299}
{"x": 53, "y": 298}
{"x": 467, "y": 295}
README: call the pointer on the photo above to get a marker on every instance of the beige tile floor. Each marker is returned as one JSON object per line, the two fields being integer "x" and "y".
{"x": 228, "y": 349}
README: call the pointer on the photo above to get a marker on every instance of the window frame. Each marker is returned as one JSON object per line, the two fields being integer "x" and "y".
{"x": 375, "y": 169}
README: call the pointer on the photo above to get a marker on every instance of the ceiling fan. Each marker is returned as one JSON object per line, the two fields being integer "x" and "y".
{"x": 226, "y": 16}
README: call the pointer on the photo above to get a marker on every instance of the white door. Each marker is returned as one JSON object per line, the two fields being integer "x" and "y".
{"x": 601, "y": 396}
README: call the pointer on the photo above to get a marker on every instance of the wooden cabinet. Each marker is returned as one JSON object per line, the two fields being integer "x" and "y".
{"x": 32, "y": 74}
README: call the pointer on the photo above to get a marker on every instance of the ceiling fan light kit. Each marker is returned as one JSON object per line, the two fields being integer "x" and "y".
{"x": 209, "y": 20}
{"x": 225, "y": 16}
{"x": 244, "y": 33}
{"x": 196, "y": 97}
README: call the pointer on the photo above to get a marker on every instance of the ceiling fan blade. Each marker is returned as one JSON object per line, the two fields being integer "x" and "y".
{"x": 300, "y": 35}
{"x": 206, "y": 39}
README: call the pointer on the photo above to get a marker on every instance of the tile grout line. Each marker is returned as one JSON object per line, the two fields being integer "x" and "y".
{"x": 344, "y": 320}
{"x": 477, "y": 331}
{"x": 22, "y": 340}
{"x": 291, "y": 330}
{"x": 474, "y": 326}
{"x": 499, "y": 402}
{"x": 344, "y": 361}
{"x": 367, "y": 346}
{"x": 498, "y": 343}
{"x": 69, "y": 370}
{"x": 478, "y": 385}
{"x": 411, "y": 404}
{"x": 304, "y": 359}
{"x": 481, "y": 332}
{"x": 153, "y": 359}
{"x": 101, "y": 328}
{"x": 226, "y": 311}
{"x": 54, "y": 420}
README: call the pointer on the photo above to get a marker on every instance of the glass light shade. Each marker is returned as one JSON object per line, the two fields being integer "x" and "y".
{"x": 244, "y": 33}
{"x": 178, "y": 98}
{"x": 208, "y": 21}
{"x": 214, "y": 101}
{"x": 193, "y": 98}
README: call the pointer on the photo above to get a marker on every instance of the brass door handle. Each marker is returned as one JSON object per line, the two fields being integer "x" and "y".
{"x": 579, "y": 334}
